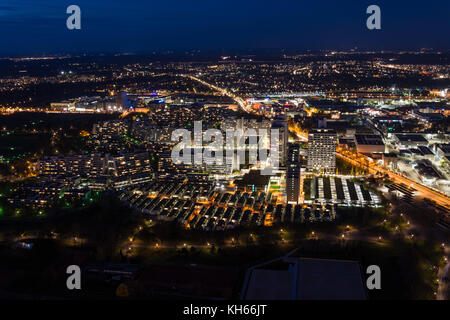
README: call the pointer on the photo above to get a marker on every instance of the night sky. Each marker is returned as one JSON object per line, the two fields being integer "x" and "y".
{"x": 142, "y": 26}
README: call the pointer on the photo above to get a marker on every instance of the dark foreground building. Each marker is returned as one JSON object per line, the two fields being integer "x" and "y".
{"x": 304, "y": 279}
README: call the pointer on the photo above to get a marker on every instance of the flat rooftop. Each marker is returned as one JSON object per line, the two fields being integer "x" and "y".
{"x": 279, "y": 282}
{"x": 445, "y": 148}
{"x": 369, "y": 139}
{"x": 425, "y": 150}
{"x": 329, "y": 280}
{"x": 410, "y": 137}
{"x": 305, "y": 279}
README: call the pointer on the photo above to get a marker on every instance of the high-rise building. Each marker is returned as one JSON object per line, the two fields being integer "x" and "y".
{"x": 322, "y": 145}
{"x": 280, "y": 123}
{"x": 293, "y": 174}
{"x": 122, "y": 100}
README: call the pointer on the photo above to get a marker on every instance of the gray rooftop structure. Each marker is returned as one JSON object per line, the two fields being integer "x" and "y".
{"x": 304, "y": 279}
{"x": 411, "y": 137}
{"x": 369, "y": 139}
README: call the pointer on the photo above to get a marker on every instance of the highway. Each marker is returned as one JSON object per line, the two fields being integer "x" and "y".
{"x": 224, "y": 92}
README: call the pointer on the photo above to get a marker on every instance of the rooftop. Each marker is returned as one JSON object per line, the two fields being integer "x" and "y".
{"x": 410, "y": 137}
{"x": 369, "y": 139}
{"x": 445, "y": 148}
{"x": 305, "y": 279}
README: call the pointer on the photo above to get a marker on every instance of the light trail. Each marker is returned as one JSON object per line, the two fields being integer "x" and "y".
{"x": 224, "y": 92}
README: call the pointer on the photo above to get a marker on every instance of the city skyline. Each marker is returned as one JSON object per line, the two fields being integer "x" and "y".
{"x": 224, "y": 152}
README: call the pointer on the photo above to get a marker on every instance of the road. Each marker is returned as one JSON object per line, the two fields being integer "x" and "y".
{"x": 241, "y": 102}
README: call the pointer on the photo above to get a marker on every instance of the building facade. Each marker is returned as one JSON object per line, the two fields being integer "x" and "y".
{"x": 322, "y": 150}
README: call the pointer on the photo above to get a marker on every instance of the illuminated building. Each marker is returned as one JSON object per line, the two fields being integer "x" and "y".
{"x": 280, "y": 123}
{"x": 322, "y": 145}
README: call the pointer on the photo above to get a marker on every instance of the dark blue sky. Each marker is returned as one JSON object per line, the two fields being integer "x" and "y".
{"x": 39, "y": 26}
